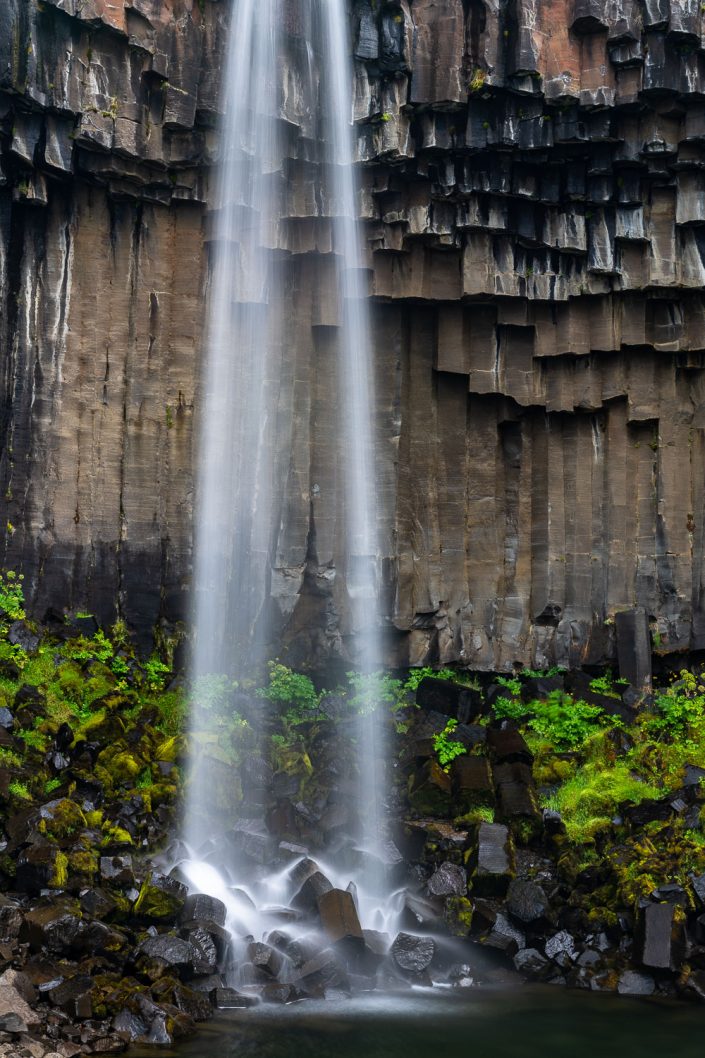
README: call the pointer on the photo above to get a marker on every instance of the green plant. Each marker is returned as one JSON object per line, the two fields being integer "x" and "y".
{"x": 478, "y": 80}
{"x": 52, "y": 784}
{"x": 292, "y": 689}
{"x": 34, "y": 740}
{"x": 446, "y": 747}
{"x": 12, "y": 596}
{"x": 607, "y": 685}
{"x": 20, "y": 791}
{"x": 588, "y": 801}
{"x": 156, "y": 672}
{"x": 510, "y": 682}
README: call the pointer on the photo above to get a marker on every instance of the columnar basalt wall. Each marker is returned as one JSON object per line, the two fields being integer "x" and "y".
{"x": 533, "y": 199}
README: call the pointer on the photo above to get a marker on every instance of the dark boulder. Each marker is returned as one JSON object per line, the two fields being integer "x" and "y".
{"x": 339, "y": 918}
{"x": 448, "y": 880}
{"x": 413, "y": 954}
{"x": 471, "y": 783}
{"x": 526, "y": 901}
{"x": 451, "y": 699}
{"x": 507, "y": 745}
{"x": 199, "y": 907}
{"x": 265, "y": 959}
{"x": 308, "y": 896}
{"x": 634, "y": 647}
{"x": 430, "y": 791}
{"x": 229, "y": 999}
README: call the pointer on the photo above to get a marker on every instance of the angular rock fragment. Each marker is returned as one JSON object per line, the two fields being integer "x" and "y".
{"x": 491, "y": 860}
{"x": 413, "y": 954}
{"x": 339, "y": 918}
{"x": 471, "y": 782}
{"x": 448, "y": 880}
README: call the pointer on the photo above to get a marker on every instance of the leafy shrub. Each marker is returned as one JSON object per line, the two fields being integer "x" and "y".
{"x": 446, "y": 747}
{"x": 156, "y": 672}
{"x": 292, "y": 689}
{"x": 12, "y": 596}
{"x": 560, "y": 719}
{"x": 416, "y": 675}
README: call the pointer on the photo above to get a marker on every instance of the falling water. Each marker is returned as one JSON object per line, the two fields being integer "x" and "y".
{"x": 358, "y": 401}
{"x": 235, "y": 497}
{"x": 237, "y": 506}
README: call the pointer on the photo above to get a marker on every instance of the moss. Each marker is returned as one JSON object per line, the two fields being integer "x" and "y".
{"x": 114, "y": 835}
{"x": 156, "y": 902}
{"x": 62, "y": 818}
{"x": 458, "y": 915}
{"x": 589, "y": 800}
{"x": 60, "y": 875}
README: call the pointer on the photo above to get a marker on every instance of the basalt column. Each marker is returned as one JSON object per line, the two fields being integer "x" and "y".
{"x": 533, "y": 204}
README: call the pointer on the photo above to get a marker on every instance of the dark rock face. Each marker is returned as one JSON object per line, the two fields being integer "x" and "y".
{"x": 539, "y": 223}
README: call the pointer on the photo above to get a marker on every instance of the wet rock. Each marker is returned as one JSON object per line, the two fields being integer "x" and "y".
{"x": 698, "y": 884}
{"x": 530, "y": 961}
{"x": 308, "y": 896}
{"x": 507, "y": 746}
{"x": 502, "y": 935}
{"x": 201, "y": 908}
{"x": 526, "y": 900}
{"x": 74, "y": 996}
{"x": 22, "y": 636}
{"x": 413, "y": 954}
{"x": 471, "y": 783}
{"x": 632, "y": 983}
{"x": 160, "y": 898}
{"x": 448, "y": 880}
{"x": 229, "y": 999}
{"x": 39, "y": 867}
{"x": 129, "y": 1025}
{"x": 560, "y": 948}
{"x": 321, "y": 972}
{"x": 430, "y": 790}
{"x": 276, "y": 993}
{"x": 491, "y": 861}
{"x": 694, "y": 775}
{"x": 418, "y": 913}
{"x": 167, "y": 950}
{"x": 339, "y": 918}
{"x": 7, "y": 720}
{"x": 659, "y": 937}
{"x": 450, "y": 699}
{"x": 205, "y": 954}
{"x": 266, "y": 960}
{"x": 117, "y": 870}
{"x": 56, "y": 928}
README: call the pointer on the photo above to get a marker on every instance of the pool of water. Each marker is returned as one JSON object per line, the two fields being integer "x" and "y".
{"x": 531, "y": 1023}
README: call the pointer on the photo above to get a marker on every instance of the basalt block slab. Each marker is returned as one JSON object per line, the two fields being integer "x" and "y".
{"x": 451, "y": 699}
{"x": 634, "y": 648}
{"x": 339, "y": 918}
{"x": 471, "y": 783}
{"x": 490, "y": 860}
{"x": 659, "y": 937}
{"x": 430, "y": 791}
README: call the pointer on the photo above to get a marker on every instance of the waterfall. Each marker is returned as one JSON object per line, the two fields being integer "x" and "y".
{"x": 237, "y": 507}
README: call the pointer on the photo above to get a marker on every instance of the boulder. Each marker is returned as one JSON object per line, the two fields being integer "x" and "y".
{"x": 430, "y": 790}
{"x": 526, "y": 900}
{"x": 450, "y": 699}
{"x": 471, "y": 783}
{"x": 507, "y": 746}
{"x": 448, "y": 880}
{"x": 74, "y": 996}
{"x": 413, "y": 954}
{"x": 117, "y": 870}
{"x": 265, "y": 959}
{"x": 201, "y": 908}
{"x": 160, "y": 897}
{"x": 339, "y": 918}
{"x": 229, "y": 999}
{"x": 319, "y": 973}
{"x": 12, "y": 1003}
{"x": 560, "y": 948}
{"x": 530, "y": 961}
{"x": 166, "y": 951}
{"x": 308, "y": 896}
{"x": 56, "y": 928}
{"x": 632, "y": 983}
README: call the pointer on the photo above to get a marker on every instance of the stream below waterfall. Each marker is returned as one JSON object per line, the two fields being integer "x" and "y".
{"x": 531, "y": 1023}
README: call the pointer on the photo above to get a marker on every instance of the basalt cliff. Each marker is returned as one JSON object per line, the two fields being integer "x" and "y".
{"x": 533, "y": 177}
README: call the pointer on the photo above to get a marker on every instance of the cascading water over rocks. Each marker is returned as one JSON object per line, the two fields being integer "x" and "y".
{"x": 247, "y": 382}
